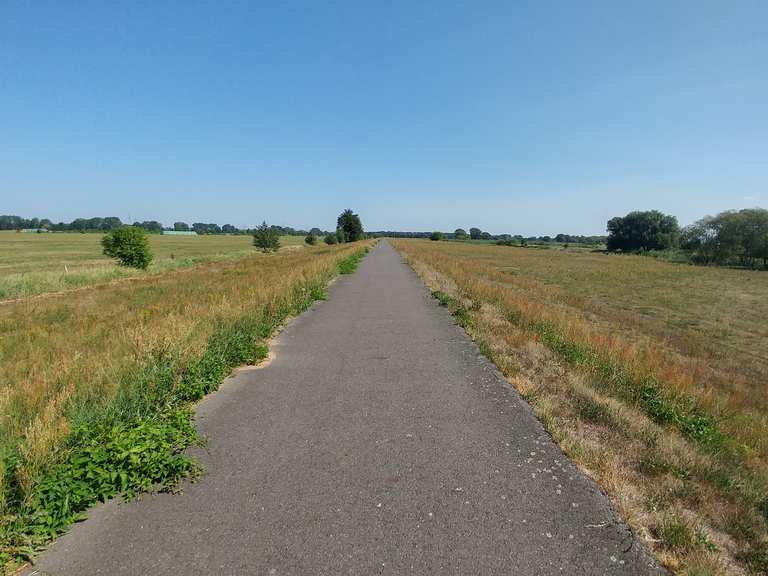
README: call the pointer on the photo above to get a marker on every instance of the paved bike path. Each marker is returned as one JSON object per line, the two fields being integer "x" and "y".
{"x": 378, "y": 441}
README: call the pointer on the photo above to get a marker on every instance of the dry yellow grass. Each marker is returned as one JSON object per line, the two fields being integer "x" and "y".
{"x": 649, "y": 317}
{"x": 68, "y": 353}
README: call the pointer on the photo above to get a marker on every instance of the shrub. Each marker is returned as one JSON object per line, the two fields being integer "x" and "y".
{"x": 341, "y": 237}
{"x": 129, "y": 246}
{"x": 331, "y": 239}
{"x": 436, "y": 235}
{"x": 266, "y": 238}
{"x": 310, "y": 239}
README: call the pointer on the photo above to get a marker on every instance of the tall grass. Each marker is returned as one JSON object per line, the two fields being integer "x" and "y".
{"x": 620, "y": 389}
{"x": 96, "y": 384}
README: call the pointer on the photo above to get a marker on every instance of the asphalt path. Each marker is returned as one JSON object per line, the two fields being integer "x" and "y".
{"x": 377, "y": 441}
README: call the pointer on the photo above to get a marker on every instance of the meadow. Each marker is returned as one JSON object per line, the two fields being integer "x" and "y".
{"x": 97, "y": 384}
{"x": 32, "y": 264}
{"x": 650, "y": 375}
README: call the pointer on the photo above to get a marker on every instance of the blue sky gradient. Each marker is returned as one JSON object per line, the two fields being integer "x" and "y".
{"x": 518, "y": 117}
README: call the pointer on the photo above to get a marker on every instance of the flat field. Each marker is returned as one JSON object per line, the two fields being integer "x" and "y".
{"x": 33, "y": 264}
{"x": 96, "y": 383}
{"x": 653, "y": 376}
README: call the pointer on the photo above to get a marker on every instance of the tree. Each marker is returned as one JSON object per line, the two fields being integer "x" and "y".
{"x": 649, "y": 230}
{"x": 331, "y": 238}
{"x": 341, "y": 237}
{"x": 152, "y": 226}
{"x": 129, "y": 245}
{"x": 436, "y": 235}
{"x": 350, "y": 224}
{"x": 736, "y": 237}
{"x": 460, "y": 234}
{"x": 311, "y": 239}
{"x": 485, "y": 235}
{"x": 181, "y": 226}
{"x": 266, "y": 238}
{"x": 316, "y": 232}
{"x": 229, "y": 229}
{"x": 475, "y": 233}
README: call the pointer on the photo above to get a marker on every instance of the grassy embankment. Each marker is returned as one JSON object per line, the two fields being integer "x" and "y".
{"x": 650, "y": 375}
{"x": 33, "y": 264}
{"x": 97, "y": 385}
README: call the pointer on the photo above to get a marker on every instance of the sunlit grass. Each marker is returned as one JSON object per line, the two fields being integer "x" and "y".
{"x": 68, "y": 353}
{"x": 650, "y": 375}
{"x": 32, "y": 264}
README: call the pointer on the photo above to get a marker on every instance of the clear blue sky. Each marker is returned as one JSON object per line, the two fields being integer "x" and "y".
{"x": 522, "y": 117}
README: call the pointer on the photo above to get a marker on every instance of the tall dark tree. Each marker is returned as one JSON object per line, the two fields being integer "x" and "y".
{"x": 460, "y": 234}
{"x": 181, "y": 226}
{"x": 475, "y": 233}
{"x": 649, "y": 230}
{"x": 350, "y": 224}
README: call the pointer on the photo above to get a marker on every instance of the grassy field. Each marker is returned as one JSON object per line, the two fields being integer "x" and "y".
{"x": 651, "y": 375}
{"x": 96, "y": 384}
{"x": 33, "y": 264}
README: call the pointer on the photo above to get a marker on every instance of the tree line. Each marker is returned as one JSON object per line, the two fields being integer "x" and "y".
{"x": 108, "y": 223}
{"x": 478, "y": 234}
{"x": 733, "y": 237}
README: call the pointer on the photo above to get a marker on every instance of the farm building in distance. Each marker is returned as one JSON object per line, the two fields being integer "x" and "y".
{"x": 179, "y": 233}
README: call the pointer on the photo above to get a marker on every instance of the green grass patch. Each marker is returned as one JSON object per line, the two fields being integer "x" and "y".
{"x": 349, "y": 265}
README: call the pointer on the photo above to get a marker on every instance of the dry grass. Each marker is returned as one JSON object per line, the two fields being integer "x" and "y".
{"x": 700, "y": 513}
{"x": 67, "y": 354}
{"x": 38, "y": 263}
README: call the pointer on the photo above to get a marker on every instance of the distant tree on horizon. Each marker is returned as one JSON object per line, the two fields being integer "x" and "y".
{"x": 460, "y": 234}
{"x": 475, "y": 233}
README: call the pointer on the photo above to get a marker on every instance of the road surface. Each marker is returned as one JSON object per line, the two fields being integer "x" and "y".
{"x": 378, "y": 441}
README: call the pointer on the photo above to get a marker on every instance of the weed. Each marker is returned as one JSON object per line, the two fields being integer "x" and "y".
{"x": 350, "y": 264}
{"x": 591, "y": 411}
{"x": 676, "y": 534}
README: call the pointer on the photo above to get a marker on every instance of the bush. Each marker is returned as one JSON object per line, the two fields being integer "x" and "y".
{"x": 331, "y": 239}
{"x": 436, "y": 236}
{"x": 129, "y": 246}
{"x": 310, "y": 239}
{"x": 266, "y": 238}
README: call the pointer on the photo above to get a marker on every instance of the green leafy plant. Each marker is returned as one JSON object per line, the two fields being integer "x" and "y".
{"x": 266, "y": 238}
{"x": 129, "y": 245}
